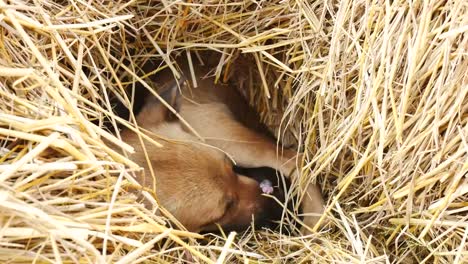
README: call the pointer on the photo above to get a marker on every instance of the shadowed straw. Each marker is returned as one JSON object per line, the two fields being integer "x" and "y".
{"x": 373, "y": 92}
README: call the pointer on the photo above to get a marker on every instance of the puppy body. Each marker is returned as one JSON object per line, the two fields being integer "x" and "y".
{"x": 194, "y": 180}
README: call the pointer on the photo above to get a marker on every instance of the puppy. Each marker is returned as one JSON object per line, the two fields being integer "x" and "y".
{"x": 193, "y": 178}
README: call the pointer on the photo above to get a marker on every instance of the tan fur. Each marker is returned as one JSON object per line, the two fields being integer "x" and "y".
{"x": 195, "y": 181}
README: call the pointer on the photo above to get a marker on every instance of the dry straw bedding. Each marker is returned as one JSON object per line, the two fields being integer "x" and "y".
{"x": 374, "y": 92}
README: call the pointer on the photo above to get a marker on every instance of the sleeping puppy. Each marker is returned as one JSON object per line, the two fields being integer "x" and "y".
{"x": 194, "y": 179}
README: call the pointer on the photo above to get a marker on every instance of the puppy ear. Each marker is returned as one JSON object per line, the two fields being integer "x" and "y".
{"x": 172, "y": 96}
{"x": 155, "y": 111}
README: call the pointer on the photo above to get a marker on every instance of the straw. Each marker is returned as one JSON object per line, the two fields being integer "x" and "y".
{"x": 374, "y": 93}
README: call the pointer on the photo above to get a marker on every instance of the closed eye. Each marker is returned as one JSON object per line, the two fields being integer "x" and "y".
{"x": 229, "y": 204}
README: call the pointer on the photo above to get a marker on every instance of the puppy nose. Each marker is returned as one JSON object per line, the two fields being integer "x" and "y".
{"x": 266, "y": 186}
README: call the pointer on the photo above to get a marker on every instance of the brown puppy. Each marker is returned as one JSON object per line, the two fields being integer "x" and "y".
{"x": 194, "y": 179}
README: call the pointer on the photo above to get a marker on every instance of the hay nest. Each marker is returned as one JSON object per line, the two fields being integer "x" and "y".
{"x": 374, "y": 92}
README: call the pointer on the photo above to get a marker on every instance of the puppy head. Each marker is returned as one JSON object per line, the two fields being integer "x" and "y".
{"x": 198, "y": 186}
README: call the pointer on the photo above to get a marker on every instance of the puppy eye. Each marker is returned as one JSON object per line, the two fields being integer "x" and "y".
{"x": 230, "y": 203}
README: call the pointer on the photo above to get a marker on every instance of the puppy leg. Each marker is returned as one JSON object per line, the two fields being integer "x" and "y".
{"x": 216, "y": 124}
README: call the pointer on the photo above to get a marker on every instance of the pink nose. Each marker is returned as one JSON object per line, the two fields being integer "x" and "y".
{"x": 266, "y": 186}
